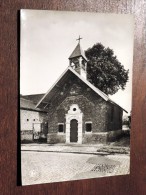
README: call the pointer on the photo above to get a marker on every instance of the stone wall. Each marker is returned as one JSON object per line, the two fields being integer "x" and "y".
{"x": 53, "y": 138}
{"x": 95, "y": 138}
{"x": 93, "y": 107}
{"x": 88, "y": 138}
{"x": 115, "y": 121}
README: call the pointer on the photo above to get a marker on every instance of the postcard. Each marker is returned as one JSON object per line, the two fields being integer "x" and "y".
{"x": 75, "y": 95}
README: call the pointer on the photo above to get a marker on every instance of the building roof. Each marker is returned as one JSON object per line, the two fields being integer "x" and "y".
{"x": 26, "y": 104}
{"x": 78, "y": 51}
{"x": 60, "y": 82}
{"x": 33, "y": 97}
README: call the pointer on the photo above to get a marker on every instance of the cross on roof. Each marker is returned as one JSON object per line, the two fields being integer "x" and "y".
{"x": 79, "y": 39}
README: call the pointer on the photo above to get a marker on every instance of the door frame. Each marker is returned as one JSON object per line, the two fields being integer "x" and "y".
{"x": 74, "y": 113}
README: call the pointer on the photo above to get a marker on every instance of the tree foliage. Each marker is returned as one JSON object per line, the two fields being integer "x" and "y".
{"x": 104, "y": 70}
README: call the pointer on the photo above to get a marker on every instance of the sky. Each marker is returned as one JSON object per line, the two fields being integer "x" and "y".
{"x": 49, "y": 37}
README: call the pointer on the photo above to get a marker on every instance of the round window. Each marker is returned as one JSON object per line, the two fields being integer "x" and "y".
{"x": 74, "y": 109}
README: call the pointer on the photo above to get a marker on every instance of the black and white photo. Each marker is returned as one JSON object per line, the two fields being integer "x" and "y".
{"x": 75, "y": 95}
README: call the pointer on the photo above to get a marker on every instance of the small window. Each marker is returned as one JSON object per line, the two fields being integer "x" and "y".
{"x": 33, "y": 119}
{"x": 88, "y": 127}
{"x": 27, "y": 119}
{"x": 60, "y": 128}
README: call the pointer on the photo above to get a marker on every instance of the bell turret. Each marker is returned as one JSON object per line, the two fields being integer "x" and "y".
{"x": 78, "y": 60}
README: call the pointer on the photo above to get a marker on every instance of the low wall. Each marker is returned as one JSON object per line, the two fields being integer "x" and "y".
{"x": 27, "y": 135}
{"x": 53, "y": 138}
{"x": 94, "y": 138}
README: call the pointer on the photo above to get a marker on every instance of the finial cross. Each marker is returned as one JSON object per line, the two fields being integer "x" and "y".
{"x": 79, "y": 39}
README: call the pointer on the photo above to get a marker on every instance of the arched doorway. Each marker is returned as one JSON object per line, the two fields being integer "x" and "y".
{"x": 73, "y": 130}
{"x": 74, "y": 125}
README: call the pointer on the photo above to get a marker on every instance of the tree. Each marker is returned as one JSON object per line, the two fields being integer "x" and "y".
{"x": 104, "y": 70}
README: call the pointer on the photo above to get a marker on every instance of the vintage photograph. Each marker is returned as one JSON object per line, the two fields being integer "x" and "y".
{"x": 75, "y": 95}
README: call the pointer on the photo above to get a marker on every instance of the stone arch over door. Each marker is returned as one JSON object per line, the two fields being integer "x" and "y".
{"x": 74, "y": 113}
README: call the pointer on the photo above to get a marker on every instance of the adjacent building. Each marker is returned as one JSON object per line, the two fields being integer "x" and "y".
{"x": 34, "y": 123}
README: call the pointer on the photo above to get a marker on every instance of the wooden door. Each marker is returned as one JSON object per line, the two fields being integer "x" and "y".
{"x": 73, "y": 130}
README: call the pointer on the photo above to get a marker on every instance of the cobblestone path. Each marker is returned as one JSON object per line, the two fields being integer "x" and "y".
{"x": 45, "y": 167}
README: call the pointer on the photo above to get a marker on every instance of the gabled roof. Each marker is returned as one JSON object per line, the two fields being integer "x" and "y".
{"x": 78, "y": 51}
{"x": 60, "y": 82}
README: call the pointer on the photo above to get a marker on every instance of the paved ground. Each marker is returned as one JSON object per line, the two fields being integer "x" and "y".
{"x": 43, "y": 163}
{"x": 76, "y": 148}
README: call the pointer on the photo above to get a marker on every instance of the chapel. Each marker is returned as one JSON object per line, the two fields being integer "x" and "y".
{"x": 77, "y": 111}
